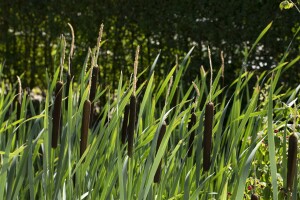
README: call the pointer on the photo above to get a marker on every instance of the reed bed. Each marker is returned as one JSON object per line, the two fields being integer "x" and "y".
{"x": 228, "y": 149}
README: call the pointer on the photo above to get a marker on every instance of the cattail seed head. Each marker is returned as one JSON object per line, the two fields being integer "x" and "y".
{"x": 292, "y": 160}
{"x": 207, "y": 140}
{"x": 85, "y": 126}
{"x": 131, "y": 125}
{"x": 192, "y": 136}
{"x": 124, "y": 126}
{"x": 159, "y": 140}
{"x": 254, "y": 197}
{"x": 57, "y": 114}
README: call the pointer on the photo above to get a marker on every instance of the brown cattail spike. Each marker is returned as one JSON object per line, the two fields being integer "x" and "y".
{"x": 192, "y": 136}
{"x": 95, "y": 73}
{"x": 254, "y": 197}
{"x": 85, "y": 126}
{"x": 131, "y": 126}
{"x": 124, "y": 126}
{"x": 292, "y": 160}
{"x": 57, "y": 114}
{"x": 159, "y": 140}
{"x": 207, "y": 140}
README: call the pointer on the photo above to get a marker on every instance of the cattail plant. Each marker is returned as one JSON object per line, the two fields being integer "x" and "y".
{"x": 292, "y": 160}
{"x": 85, "y": 126}
{"x": 124, "y": 125}
{"x": 132, "y": 109}
{"x": 57, "y": 114}
{"x": 254, "y": 197}
{"x": 208, "y": 124}
{"x": 159, "y": 140}
{"x": 95, "y": 73}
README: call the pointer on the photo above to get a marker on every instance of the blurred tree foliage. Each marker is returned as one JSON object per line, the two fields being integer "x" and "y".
{"x": 29, "y": 33}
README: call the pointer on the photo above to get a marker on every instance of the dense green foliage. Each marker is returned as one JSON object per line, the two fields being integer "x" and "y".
{"x": 250, "y": 131}
{"x": 29, "y": 32}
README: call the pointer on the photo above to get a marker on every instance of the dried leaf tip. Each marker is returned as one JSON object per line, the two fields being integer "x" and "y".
{"x": 136, "y": 62}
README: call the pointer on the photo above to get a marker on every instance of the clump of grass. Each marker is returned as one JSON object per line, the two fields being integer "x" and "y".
{"x": 132, "y": 109}
{"x": 85, "y": 126}
{"x": 57, "y": 114}
{"x": 159, "y": 140}
{"x": 124, "y": 125}
{"x": 292, "y": 160}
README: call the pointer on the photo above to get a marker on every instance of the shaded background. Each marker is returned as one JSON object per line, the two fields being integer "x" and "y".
{"x": 30, "y": 30}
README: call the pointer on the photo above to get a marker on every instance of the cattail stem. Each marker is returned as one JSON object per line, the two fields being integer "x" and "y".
{"x": 192, "y": 136}
{"x": 85, "y": 126}
{"x": 207, "y": 140}
{"x": 124, "y": 126}
{"x": 93, "y": 90}
{"x": 211, "y": 74}
{"x": 69, "y": 79}
{"x": 57, "y": 114}
{"x": 131, "y": 126}
{"x": 159, "y": 140}
{"x": 292, "y": 160}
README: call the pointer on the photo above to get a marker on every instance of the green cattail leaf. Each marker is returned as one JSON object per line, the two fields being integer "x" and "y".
{"x": 271, "y": 146}
{"x": 261, "y": 35}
